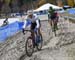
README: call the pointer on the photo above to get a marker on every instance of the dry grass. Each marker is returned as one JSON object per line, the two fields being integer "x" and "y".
{"x": 72, "y": 20}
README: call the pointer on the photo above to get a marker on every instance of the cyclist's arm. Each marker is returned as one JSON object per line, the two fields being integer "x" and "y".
{"x": 37, "y": 21}
{"x": 23, "y": 27}
{"x": 25, "y": 18}
{"x": 38, "y": 24}
{"x": 25, "y": 23}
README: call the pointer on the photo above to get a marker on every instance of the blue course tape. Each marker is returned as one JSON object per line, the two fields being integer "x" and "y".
{"x": 10, "y": 30}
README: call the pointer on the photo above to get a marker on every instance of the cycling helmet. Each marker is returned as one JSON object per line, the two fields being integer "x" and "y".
{"x": 30, "y": 12}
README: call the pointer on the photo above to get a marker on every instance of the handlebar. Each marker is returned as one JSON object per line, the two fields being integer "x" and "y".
{"x": 25, "y": 30}
{"x": 28, "y": 31}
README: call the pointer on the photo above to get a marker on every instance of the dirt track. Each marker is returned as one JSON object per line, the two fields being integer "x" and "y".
{"x": 13, "y": 48}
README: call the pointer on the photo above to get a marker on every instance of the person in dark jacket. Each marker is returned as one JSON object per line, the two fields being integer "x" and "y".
{"x": 5, "y": 22}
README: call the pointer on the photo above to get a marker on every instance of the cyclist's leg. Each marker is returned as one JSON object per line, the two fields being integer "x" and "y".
{"x": 53, "y": 27}
{"x": 51, "y": 22}
{"x": 39, "y": 32}
{"x": 55, "y": 24}
{"x": 33, "y": 25}
{"x": 33, "y": 37}
{"x": 56, "y": 21}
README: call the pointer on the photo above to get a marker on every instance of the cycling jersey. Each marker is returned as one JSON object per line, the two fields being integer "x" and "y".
{"x": 32, "y": 22}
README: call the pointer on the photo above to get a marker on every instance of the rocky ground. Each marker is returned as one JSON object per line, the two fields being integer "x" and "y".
{"x": 54, "y": 48}
{"x": 60, "y": 47}
{"x": 14, "y": 47}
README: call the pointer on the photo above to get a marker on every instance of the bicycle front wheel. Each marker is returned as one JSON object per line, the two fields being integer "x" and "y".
{"x": 29, "y": 47}
{"x": 39, "y": 43}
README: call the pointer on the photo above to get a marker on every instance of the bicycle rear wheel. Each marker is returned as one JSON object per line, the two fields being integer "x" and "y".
{"x": 29, "y": 47}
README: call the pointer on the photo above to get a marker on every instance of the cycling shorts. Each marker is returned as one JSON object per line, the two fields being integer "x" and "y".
{"x": 53, "y": 17}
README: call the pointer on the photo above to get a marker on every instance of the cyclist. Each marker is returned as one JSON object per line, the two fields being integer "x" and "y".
{"x": 53, "y": 16}
{"x": 33, "y": 21}
{"x": 5, "y": 22}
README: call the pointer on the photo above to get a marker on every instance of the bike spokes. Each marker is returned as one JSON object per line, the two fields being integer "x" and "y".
{"x": 39, "y": 42}
{"x": 29, "y": 47}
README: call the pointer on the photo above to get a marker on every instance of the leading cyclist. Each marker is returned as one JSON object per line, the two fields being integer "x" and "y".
{"x": 33, "y": 21}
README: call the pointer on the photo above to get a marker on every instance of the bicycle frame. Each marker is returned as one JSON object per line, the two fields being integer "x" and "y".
{"x": 31, "y": 35}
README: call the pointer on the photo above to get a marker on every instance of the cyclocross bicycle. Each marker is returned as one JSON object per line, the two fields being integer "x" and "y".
{"x": 29, "y": 45}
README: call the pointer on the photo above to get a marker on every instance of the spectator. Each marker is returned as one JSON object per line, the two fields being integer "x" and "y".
{"x": 5, "y": 22}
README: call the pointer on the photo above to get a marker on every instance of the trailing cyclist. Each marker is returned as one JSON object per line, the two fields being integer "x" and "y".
{"x": 33, "y": 22}
{"x": 53, "y": 18}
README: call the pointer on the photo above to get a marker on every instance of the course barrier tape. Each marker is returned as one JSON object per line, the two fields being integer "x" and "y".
{"x": 10, "y": 30}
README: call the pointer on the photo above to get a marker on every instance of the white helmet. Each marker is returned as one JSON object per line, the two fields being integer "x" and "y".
{"x": 30, "y": 12}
